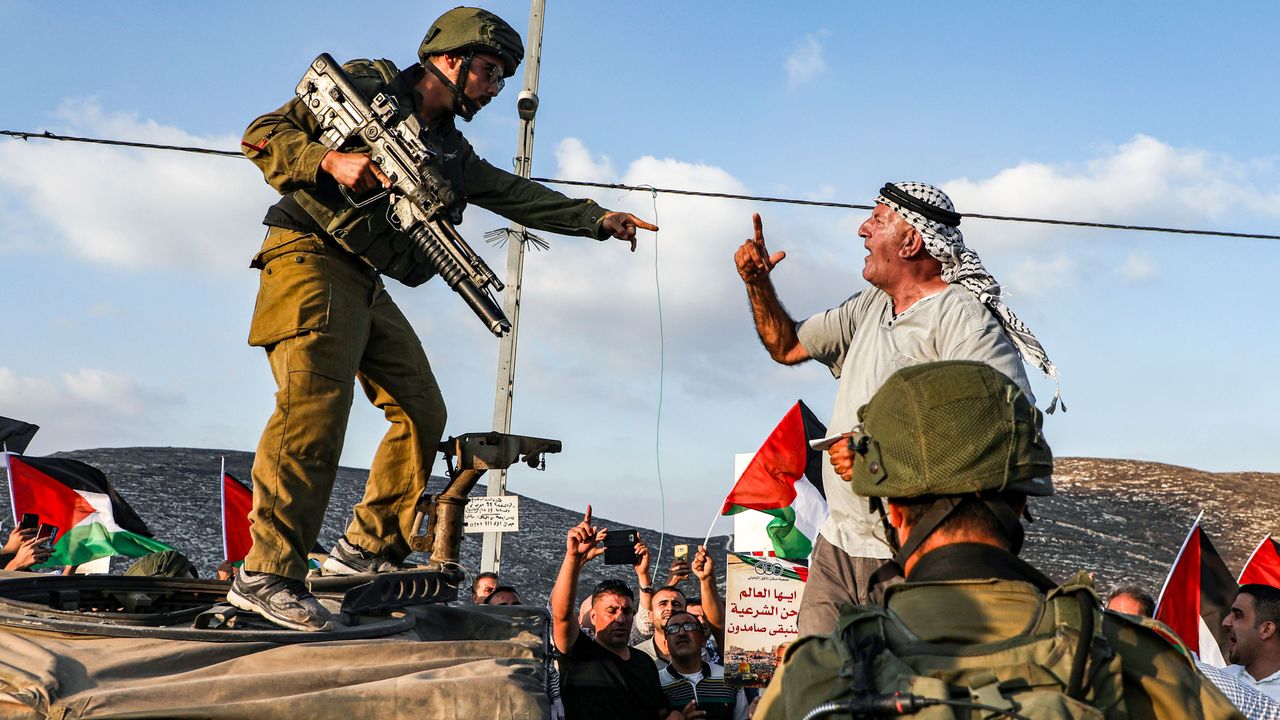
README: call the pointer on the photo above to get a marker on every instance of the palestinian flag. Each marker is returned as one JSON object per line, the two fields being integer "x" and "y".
{"x": 784, "y": 480}
{"x": 93, "y": 521}
{"x": 15, "y": 435}
{"x": 237, "y": 502}
{"x": 1197, "y": 595}
{"x": 1263, "y": 566}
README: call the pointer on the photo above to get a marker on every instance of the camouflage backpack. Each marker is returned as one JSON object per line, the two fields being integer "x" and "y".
{"x": 1046, "y": 672}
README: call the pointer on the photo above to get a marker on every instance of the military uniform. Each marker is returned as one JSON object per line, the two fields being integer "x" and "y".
{"x": 955, "y": 448}
{"x": 324, "y": 317}
{"x": 969, "y": 595}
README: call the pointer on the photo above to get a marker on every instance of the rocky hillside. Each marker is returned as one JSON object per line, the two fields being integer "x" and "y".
{"x": 175, "y": 491}
{"x": 1126, "y": 519}
{"x": 1123, "y": 519}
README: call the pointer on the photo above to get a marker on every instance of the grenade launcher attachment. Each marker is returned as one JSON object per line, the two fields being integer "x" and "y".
{"x": 419, "y": 196}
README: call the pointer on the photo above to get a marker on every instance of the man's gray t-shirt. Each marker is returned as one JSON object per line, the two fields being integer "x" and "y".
{"x": 863, "y": 344}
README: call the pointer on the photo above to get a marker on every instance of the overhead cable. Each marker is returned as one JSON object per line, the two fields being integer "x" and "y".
{"x": 692, "y": 193}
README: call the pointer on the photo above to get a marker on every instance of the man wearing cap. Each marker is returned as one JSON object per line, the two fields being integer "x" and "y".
{"x": 951, "y": 451}
{"x": 931, "y": 299}
{"x": 325, "y": 319}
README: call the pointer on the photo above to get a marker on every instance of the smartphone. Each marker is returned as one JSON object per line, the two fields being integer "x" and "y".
{"x": 620, "y": 547}
{"x": 46, "y": 535}
{"x": 681, "y": 552}
{"x": 29, "y": 521}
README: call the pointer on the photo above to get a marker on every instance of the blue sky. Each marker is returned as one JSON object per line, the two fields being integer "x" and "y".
{"x": 129, "y": 291}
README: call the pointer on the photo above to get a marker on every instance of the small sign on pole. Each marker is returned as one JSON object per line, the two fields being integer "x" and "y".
{"x": 492, "y": 513}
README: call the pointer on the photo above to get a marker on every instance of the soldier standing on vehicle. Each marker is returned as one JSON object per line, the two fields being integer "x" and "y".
{"x": 950, "y": 452}
{"x": 324, "y": 317}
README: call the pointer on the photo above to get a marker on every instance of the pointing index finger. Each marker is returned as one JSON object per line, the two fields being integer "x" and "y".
{"x": 759, "y": 225}
{"x": 586, "y": 519}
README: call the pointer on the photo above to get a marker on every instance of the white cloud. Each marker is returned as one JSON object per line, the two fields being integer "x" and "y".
{"x": 1141, "y": 182}
{"x": 87, "y": 407}
{"x": 576, "y": 163}
{"x": 1036, "y": 276}
{"x": 1138, "y": 267}
{"x": 132, "y": 208}
{"x": 806, "y": 62}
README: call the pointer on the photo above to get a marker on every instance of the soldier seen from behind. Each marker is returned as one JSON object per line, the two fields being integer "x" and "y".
{"x": 950, "y": 452}
{"x": 325, "y": 318}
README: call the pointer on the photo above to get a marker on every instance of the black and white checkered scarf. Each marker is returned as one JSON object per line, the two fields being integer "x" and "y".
{"x": 962, "y": 265}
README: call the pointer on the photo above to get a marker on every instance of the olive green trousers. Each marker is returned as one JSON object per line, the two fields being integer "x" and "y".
{"x": 325, "y": 320}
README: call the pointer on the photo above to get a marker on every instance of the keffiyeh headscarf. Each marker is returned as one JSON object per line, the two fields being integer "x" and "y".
{"x": 930, "y": 211}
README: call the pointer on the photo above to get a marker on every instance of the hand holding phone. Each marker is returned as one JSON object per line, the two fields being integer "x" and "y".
{"x": 620, "y": 547}
{"x": 46, "y": 535}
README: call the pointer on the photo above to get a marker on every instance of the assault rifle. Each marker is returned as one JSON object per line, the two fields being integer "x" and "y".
{"x": 419, "y": 197}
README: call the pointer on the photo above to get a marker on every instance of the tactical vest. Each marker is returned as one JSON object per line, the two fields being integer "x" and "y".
{"x": 1047, "y": 672}
{"x": 366, "y": 231}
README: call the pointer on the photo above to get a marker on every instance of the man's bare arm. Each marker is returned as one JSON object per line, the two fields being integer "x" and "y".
{"x": 580, "y": 546}
{"x": 712, "y": 604}
{"x": 776, "y": 328}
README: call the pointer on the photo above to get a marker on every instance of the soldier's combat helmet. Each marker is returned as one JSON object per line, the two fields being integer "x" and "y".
{"x": 957, "y": 432}
{"x": 950, "y": 428}
{"x": 467, "y": 30}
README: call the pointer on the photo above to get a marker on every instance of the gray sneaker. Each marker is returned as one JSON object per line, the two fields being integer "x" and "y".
{"x": 284, "y": 601}
{"x": 348, "y": 559}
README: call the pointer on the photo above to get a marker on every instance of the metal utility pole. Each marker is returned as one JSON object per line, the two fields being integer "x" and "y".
{"x": 527, "y": 106}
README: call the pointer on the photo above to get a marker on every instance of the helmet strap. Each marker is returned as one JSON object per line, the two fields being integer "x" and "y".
{"x": 1008, "y": 519}
{"x": 939, "y": 511}
{"x": 463, "y": 106}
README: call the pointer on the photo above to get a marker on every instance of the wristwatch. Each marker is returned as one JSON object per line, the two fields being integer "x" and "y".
{"x": 646, "y": 590}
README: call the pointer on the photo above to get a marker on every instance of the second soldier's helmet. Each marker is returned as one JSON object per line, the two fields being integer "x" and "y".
{"x": 468, "y": 28}
{"x": 950, "y": 428}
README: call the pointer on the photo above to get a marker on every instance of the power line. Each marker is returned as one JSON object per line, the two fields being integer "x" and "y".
{"x": 852, "y": 206}
{"x": 691, "y": 193}
{"x": 46, "y": 135}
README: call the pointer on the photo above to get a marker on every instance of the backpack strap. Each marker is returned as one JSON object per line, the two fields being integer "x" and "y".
{"x": 858, "y": 655}
{"x": 1077, "y": 610}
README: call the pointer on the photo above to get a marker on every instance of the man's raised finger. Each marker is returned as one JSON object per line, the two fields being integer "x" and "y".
{"x": 755, "y": 219}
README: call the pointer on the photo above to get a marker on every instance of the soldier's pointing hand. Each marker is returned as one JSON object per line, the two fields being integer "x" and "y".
{"x": 753, "y": 258}
{"x": 623, "y": 226}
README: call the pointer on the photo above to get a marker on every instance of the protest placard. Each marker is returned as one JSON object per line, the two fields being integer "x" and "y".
{"x": 761, "y": 608}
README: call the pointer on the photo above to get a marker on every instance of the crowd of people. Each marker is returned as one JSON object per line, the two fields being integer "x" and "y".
{"x": 955, "y": 580}
{"x": 916, "y": 595}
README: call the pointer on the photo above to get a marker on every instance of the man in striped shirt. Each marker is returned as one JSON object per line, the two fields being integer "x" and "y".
{"x": 691, "y": 684}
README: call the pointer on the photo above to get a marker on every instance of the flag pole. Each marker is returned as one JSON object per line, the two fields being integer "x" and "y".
{"x": 222, "y": 497}
{"x": 8, "y": 476}
{"x": 1190, "y": 534}
{"x": 714, "y": 518}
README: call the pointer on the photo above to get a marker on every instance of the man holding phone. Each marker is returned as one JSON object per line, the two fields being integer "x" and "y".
{"x": 602, "y": 676}
{"x": 23, "y": 549}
